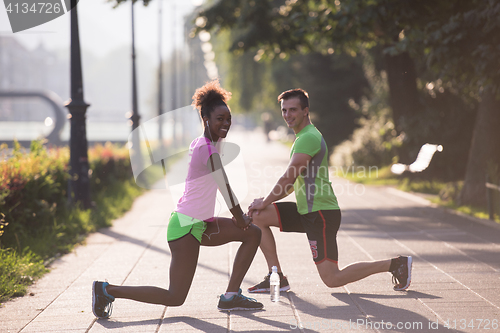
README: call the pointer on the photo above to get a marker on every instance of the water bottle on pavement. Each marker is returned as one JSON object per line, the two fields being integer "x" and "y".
{"x": 274, "y": 282}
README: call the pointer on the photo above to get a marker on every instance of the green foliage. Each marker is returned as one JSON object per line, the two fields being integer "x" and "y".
{"x": 117, "y": 3}
{"x": 384, "y": 176}
{"x": 444, "y": 194}
{"x": 462, "y": 46}
{"x": 36, "y": 222}
{"x": 254, "y": 21}
{"x": 450, "y": 191}
{"x": 17, "y": 272}
{"x": 2, "y": 223}
{"x": 331, "y": 80}
{"x": 479, "y": 212}
{"x": 421, "y": 186}
{"x": 457, "y": 40}
{"x": 249, "y": 81}
{"x": 37, "y": 148}
{"x": 375, "y": 141}
{"x": 444, "y": 119}
{"x": 362, "y": 175}
{"x": 451, "y": 48}
{"x": 372, "y": 144}
{"x": 33, "y": 191}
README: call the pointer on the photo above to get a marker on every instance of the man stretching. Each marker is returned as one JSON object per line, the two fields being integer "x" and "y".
{"x": 316, "y": 212}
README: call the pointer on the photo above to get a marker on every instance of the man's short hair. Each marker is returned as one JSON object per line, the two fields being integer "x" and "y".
{"x": 300, "y": 93}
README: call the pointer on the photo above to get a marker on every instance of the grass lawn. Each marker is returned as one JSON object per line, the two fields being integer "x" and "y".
{"x": 443, "y": 193}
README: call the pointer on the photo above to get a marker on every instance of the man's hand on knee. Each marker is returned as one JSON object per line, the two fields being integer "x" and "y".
{"x": 256, "y": 206}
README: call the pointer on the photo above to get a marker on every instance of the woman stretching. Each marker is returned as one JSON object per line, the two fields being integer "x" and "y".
{"x": 193, "y": 222}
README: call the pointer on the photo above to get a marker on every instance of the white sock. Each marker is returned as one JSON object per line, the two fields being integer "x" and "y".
{"x": 228, "y": 295}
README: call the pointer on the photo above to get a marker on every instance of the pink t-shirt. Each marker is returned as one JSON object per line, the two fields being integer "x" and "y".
{"x": 198, "y": 199}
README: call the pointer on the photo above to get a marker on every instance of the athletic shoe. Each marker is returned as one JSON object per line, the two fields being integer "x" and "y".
{"x": 264, "y": 286}
{"x": 401, "y": 276}
{"x": 101, "y": 300}
{"x": 238, "y": 302}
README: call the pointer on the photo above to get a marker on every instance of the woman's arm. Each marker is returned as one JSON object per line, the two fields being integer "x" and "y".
{"x": 214, "y": 164}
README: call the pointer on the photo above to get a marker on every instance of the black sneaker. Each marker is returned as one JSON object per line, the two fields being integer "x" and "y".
{"x": 401, "y": 276}
{"x": 264, "y": 286}
{"x": 101, "y": 300}
{"x": 238, "y": 302}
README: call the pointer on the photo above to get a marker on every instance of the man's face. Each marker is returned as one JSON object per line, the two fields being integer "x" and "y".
{"x": 293, "y": 114}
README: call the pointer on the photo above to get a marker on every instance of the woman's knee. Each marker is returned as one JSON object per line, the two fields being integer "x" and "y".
{"x": 176, "y": 300}
{"x": 253, "y": 233}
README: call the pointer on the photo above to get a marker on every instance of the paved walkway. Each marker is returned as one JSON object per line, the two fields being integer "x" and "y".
{"x": 455, "y": 280}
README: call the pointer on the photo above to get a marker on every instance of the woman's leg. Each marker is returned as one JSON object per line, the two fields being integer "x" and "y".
{"x": 182, "y": 268}
{"x": 223, "y": 231}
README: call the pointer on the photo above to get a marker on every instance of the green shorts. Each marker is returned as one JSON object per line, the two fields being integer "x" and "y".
{"x": 180, "y": 225}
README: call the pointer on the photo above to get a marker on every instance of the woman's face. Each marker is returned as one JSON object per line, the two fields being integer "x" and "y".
{"x": 219, "y": 122}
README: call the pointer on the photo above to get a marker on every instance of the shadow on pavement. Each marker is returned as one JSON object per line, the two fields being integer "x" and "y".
{"x": 126, "y": 238}
{"x": 333, "y": 316}
{"x": 196, "y": 323}
{"x": 113, "y": 323}
{"x": 279, "y": 325}
{"x": 199, "y": 324}
{"x": 407, "y": 294}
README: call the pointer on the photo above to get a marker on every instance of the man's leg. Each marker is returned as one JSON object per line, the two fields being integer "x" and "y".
{"x": 333, "y": 277}
{"x": 322, "y": 231}
{"x": 265, "y": 219}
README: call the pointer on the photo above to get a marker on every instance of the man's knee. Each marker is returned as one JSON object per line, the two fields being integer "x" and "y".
{"x": 332, "y": 282}
{"x": 329, "y": 274}
{"x": 266, "y": 217}
{"x": 258, "y": 220}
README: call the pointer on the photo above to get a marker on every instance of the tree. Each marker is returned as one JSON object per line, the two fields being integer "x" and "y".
{"x": 465, "y": 51}
{"x": 459, "y": 40}
{"x": 331, "y": 80}
{"x": 119, "y": 2}
{"x": 326, "y": 27}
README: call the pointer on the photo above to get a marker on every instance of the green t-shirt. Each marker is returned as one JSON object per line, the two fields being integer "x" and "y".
{"x": 313, "y": 189}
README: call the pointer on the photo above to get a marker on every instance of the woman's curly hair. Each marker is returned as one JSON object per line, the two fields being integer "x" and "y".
{"x": 206, "y": 98}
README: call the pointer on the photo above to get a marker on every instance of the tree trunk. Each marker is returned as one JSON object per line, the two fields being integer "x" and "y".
{"x": 485, "y": 148}
{"x": 403, "y": 97}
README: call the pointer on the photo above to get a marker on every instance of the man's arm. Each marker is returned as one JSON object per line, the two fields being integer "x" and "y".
{"x": 284, "y": 186}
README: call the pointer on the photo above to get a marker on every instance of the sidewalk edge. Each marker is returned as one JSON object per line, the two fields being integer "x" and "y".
{"x": 420, "y": 199}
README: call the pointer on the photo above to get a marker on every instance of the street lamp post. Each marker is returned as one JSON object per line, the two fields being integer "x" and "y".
{"x": 79, "y": 184}
{"x": 135, "y": 154}
{"x": 174, "y": 75}
{"x": 135, "y": 109}
{"x": 160, "y": 73}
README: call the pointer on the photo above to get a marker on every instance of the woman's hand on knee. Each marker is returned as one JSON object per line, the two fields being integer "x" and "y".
{"x": 245, "y": 222}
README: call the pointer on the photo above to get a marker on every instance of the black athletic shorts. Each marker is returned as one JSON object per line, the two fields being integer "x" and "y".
{"x": 321, "y": 228}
